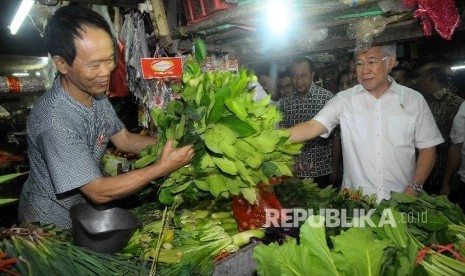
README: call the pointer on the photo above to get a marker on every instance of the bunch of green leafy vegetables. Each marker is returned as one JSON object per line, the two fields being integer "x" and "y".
{"x": 236, "y": 143}
{"x": 188, "y": 244}
{"x": 430, "y": 225}
{"x": 356, "y": 251}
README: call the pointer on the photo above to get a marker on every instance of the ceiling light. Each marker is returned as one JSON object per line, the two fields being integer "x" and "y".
{"x": 23, "y": 10}
{"x": 277, "y": 17}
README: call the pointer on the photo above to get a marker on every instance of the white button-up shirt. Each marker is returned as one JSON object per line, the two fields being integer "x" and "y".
{"x": 379, "y": 136}
{"x": 457, "y": 136}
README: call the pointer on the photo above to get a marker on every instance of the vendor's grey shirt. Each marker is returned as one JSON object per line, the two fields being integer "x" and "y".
{"x": 66, "y": 143}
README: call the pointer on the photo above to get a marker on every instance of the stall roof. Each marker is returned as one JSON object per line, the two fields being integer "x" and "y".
{"x": 319, "y": 25}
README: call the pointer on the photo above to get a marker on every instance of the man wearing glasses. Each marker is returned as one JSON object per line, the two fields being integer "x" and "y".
{"x": 382, "y": 123}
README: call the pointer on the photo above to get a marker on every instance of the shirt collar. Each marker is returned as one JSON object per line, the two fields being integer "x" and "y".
{"x": 395, "y": 87}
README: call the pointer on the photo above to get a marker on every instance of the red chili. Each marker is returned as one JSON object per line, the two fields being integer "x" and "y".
{"x": 6, "y": 264}
{"x": 441, "y": 248}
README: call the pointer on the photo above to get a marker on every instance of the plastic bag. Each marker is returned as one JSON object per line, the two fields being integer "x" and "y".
{"x": 118, "y": 85}
{"x": 252, "y": 216}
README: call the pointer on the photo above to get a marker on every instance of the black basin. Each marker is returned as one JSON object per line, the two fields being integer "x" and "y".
{"x": 102, "y": 228}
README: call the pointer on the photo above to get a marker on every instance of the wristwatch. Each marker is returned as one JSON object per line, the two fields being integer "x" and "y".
{"x": 417, "y": 187}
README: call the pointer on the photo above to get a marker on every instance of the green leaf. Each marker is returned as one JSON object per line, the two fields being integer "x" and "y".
{"x": 7, "y": 201}
{"x": 200, "y": 51}
{"x": 312, "y": 236}
{"x": 250, "y": 195}
{"x": 165, "y": 197}
{"x": 216, "y": 184}
{"x": 181, "y": 188}
{"x": 287, "y": 259}
{"x": 202, "y": 185}
{"x": 361, "y": 250}
{"x": 240, "y": 128}
{"x": 218, "y": 107}
{"x": 7, "y": 177}
{"x": 402, "y": 197}
{"x": 434, "y": 221}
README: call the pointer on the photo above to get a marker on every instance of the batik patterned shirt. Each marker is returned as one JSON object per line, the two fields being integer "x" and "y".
{"x": 444, "y": 106}
{"x": 297, "y": 109}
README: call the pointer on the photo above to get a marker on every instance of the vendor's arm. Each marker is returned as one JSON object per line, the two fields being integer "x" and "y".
{"x": 131, "y": 142}
{"x": 452, "y": 164}
{"x": 106, "y": 189}
{"x": 425, "y": 163}
{"x": 306, "y": 130}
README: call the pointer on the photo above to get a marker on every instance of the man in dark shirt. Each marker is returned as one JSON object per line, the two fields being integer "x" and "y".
{"x": 316, "y": 159}
{"x": 432, "y": 81}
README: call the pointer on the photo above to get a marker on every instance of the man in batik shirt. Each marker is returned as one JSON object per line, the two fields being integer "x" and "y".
{"x": 316, "y": 160}
{"x": 432, "y": 80}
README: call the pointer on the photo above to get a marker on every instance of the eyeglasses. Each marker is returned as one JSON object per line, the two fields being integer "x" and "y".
{"x": 370, "y": 63}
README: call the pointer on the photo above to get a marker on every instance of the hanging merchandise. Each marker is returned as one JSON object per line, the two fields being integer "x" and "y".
{"x": 212, "y": 64}
{"x": 355, "y": 3}
{"x": 118, "y": 85}
{"x": 133, "y": 35}
{"x": 442, "y": 14}
{"x": 158, "y": 94}
{"x": 309, "y": 37}
{"x": 168, "y": 67}
{"x": 16, "y": 85}
{"x": 365, "y": 29}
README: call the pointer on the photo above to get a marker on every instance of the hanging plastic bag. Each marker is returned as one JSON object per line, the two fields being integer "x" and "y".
{"x": 118, "y": 85}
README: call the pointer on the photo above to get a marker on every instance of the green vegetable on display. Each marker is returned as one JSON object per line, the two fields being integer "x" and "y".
{"x": 195, "y": 238}
{"x": 236, "y": 143}
{"x": 427, "y": 238}
{"x": 4, "y": 179}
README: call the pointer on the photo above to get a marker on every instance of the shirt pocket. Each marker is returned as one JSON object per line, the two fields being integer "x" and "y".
{"x": 354, "y": 127}
{"x": 401, "y": 130}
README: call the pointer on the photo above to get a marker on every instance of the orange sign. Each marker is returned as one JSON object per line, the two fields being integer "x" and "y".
{"x": 161, "y": 67}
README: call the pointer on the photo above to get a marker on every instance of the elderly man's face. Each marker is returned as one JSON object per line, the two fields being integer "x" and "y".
{"x": 373, "y": 69}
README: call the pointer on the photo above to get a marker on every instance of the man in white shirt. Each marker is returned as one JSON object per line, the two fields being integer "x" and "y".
{"x": 382, "y": 123}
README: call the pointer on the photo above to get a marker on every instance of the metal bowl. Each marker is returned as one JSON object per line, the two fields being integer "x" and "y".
{"x": 102, "y": 228}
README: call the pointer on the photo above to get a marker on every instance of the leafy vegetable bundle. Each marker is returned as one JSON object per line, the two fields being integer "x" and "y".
{"x": 236, "y": 143}
{"x": 43, "y": 252}
{"x": 428, "y": 236}
{"x": 189, "y": 245}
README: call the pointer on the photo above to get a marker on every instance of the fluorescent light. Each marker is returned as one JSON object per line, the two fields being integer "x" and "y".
{"x": 23, "y": 10}
{"x": 459, "y": 67}
{"x": 21, "y": 74}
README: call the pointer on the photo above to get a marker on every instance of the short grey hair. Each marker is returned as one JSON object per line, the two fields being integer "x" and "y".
{"x": 386, "y": 49}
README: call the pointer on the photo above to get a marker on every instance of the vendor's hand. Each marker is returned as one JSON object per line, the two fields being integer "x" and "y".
{"x": 174, "y": 158}
{"x": 410, "y": 191}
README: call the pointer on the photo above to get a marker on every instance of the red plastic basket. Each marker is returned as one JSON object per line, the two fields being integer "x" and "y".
{"x": 197, "y": 10}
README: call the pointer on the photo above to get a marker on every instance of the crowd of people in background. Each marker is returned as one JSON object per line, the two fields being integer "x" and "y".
{"x": 293, "y": 89}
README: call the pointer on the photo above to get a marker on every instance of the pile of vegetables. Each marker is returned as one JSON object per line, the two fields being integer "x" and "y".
{"x": 41, "y": 251}
{"x": 235, "y": 140}
{"x": 428, "y": 237}
{"x": 4, "y": 179}
{"x": 187, "y": 242}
